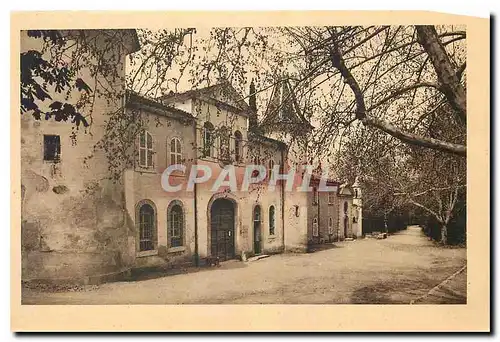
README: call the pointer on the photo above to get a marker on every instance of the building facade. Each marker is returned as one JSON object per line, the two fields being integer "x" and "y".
{"x": 79, "y": 226}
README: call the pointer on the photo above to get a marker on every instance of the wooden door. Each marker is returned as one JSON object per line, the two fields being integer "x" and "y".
{"x": 222, "y": 229}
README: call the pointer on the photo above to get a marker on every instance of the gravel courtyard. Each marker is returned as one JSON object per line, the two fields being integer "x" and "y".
{"x": 403, "y": 268}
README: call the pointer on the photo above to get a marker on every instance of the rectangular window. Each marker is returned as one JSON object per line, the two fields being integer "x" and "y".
{"x": 175, "y": 151}
{"x": 330, "y": 225}
{"x": 146, "y": 150}
{"x": 51, "y": 148}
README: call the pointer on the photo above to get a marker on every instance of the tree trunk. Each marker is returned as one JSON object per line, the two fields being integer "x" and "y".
{"x": 444, "y": 234}
{"x": 447, "y": 75}
{"x": 451, "y": 88}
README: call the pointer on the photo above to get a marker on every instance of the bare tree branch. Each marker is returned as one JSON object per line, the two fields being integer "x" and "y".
{"x": 447, "y": 75}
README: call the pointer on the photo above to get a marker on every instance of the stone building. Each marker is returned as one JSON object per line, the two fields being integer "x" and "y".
{"x": 79, "y": 226}
{"x": 73, "y": 223}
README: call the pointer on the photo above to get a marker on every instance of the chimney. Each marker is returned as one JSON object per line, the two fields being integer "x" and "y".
{"x": 252, "y": 102}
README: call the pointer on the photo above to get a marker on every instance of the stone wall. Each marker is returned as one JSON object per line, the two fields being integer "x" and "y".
{"x": 73, "y": 222}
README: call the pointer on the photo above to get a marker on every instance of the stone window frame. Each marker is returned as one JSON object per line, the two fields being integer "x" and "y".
{"x": 154, "y": 250}
{"x": 181, "y": 247}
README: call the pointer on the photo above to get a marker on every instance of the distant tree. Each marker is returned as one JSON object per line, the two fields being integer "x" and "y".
{"x": 396, "y": 176}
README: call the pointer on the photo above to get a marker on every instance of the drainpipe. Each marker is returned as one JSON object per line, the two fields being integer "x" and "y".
{"x": 196, "y": 255}
{"x": 319, "y": 218}
{"x": 282, "y": 201}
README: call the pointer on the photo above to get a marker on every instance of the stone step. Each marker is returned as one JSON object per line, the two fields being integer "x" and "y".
{"x": 258, "y": 257}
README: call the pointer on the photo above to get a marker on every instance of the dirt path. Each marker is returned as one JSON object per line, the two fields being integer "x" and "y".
{"x": 399, "y": 269}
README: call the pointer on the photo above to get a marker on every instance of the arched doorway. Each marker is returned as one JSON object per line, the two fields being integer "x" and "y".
{"x": 257, "y": 233}
{"x": 222, "y": 229}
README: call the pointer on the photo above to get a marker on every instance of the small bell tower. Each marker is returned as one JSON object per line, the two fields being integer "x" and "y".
{"x": 357, "y": 203}
{"x": 356, "y": 186}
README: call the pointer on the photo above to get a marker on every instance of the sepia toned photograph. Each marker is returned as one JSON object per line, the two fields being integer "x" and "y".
{"x": 278, "y": 164}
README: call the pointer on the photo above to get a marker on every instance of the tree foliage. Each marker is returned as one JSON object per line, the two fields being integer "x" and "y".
{"x": 382, "y": 76}
{"x": 391, "y": 92}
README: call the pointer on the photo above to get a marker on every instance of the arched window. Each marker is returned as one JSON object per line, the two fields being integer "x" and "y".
{"x": 175, "y": 231}
{"x": 330, "y": 225}
{"x": 271, "y": 220}
{"x": 175, "y": 151}
{"x": 270, "y": 170}
{"x": 224, "y": 144}
{"x": 146, "y": 150}
{"x": 208, "y": 139}
{"x": 147, "y": 226}
{"x": 346, "y": 207}
{"x": 356, "y": 193}
{"x": 238, "y": 146}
